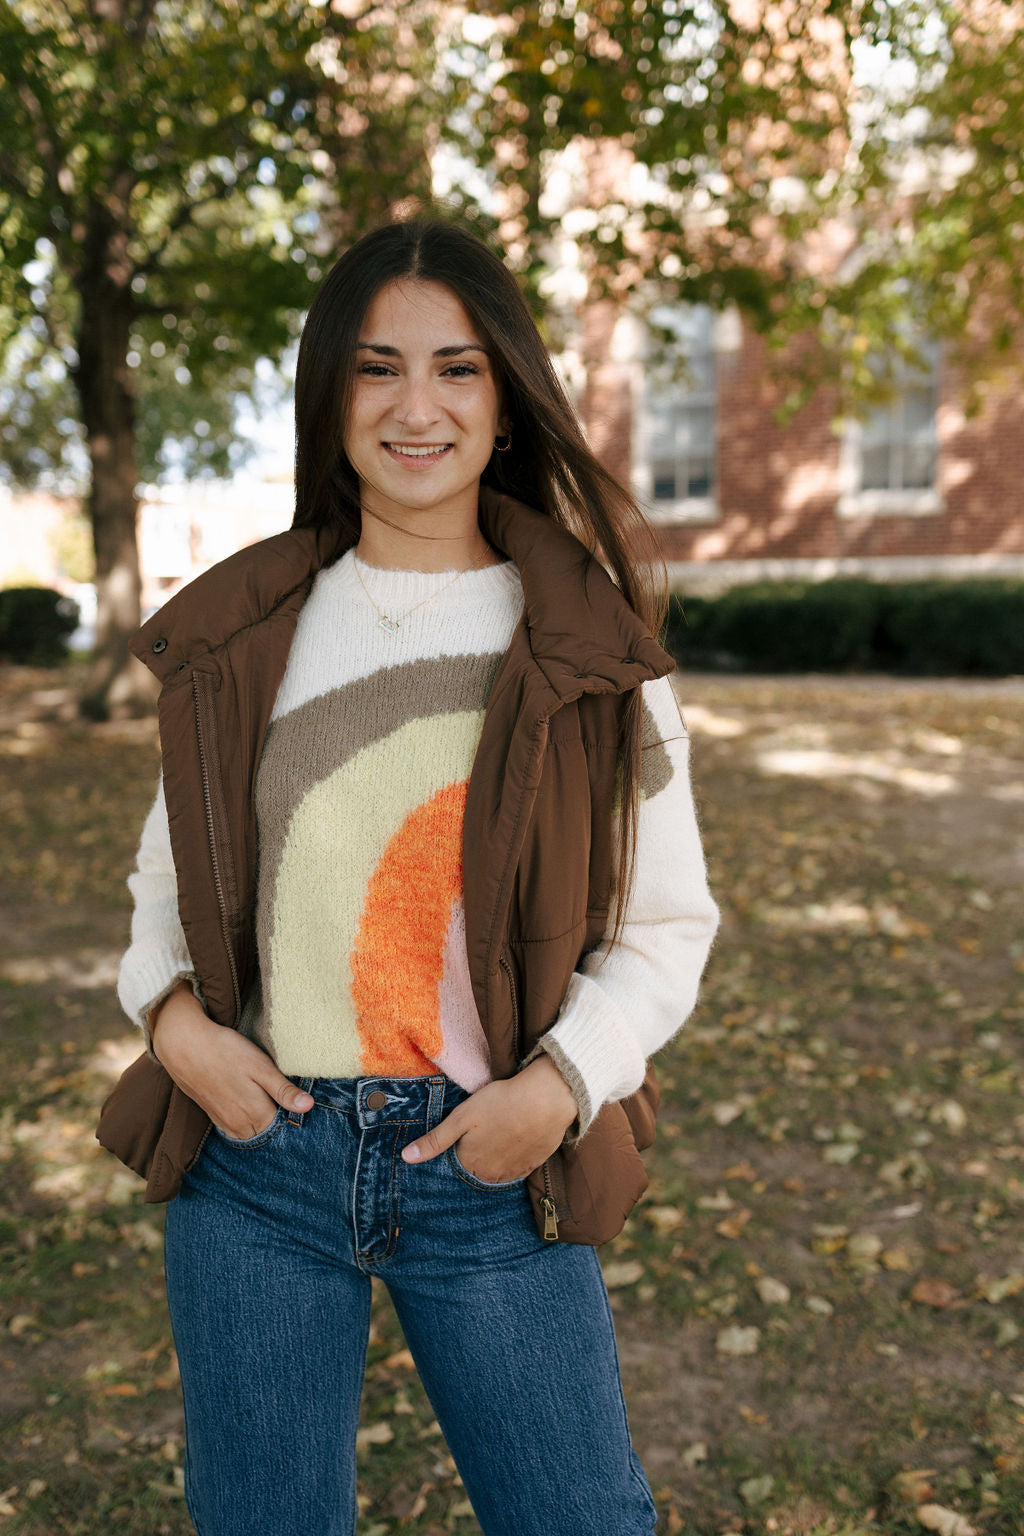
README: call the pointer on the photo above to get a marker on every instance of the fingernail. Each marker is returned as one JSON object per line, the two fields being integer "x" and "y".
{"x": 302, "y": 1101}
{"x": 411, "y": 1154}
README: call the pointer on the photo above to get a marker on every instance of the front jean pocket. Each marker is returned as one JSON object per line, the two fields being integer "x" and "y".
{"x": 470, "y": 1178}
{"x": 261, "y": 1137}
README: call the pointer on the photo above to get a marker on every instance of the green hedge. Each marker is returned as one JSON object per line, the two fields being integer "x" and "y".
{"x": 921, "y": 628}
{"x": 35, "y": 623}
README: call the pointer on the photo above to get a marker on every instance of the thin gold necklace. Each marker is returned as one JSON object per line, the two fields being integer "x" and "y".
{"x": 392, "y": 623}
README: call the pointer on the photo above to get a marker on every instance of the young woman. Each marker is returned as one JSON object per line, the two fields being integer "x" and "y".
{"x": 425, "y": 844}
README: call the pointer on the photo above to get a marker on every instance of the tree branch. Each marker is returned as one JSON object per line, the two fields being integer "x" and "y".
{"x": 46, "y": 142}
{"x": 181, "y": 218}
{"x": 144, "y": 19}
{"x": 10, "y": 174}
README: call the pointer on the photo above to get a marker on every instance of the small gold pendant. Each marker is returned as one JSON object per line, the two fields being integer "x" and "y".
{"x": 391, "y": 625}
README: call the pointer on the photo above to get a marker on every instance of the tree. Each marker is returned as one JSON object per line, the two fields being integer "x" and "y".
{"x": 663, "y": 140}
{"x": 172, "y": 179}
{"x": 845, "y": 171}
{"x": 940, "y": 180}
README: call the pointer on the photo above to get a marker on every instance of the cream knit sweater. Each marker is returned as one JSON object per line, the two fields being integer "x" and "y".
{"x": 359, "y": 800}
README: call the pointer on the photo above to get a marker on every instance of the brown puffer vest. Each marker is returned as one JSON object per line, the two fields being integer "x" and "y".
{"x": 538, "y": 852}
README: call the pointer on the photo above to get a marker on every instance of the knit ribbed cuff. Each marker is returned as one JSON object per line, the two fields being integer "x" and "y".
{"x": 594, "y": 1049}
{"x": 547, "y": 1047}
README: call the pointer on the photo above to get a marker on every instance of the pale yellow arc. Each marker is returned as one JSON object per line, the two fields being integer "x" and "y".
{"x": 336, "y": 837}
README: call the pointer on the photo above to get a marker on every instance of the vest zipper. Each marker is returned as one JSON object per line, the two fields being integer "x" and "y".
{"x": 202, "y": 1144}
{"x": 214, "y": 861}
{"x": 516, "y": 1026}
{"x": 550, "y": 1209}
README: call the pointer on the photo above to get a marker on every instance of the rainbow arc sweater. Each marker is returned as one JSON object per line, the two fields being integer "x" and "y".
{"x": 360, "y": 794}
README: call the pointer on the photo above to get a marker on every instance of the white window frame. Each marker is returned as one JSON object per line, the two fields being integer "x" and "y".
{"x": 683, "y": 509}
{"x": 857, "y": 501}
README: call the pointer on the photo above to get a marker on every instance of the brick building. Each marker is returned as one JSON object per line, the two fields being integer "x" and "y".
{"x": 917, "y": 488}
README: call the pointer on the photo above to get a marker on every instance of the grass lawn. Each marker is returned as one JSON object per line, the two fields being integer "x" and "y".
{"x": 820, "y": 1303}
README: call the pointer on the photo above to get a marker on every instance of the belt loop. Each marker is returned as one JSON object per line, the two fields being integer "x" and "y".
{"x": 435, "y": 1102}
{"x": 295, "y": 1116}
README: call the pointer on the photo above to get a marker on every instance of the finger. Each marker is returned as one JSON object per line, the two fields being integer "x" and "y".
{"x": 436, "y": 1141}
{"x": 283, "y": 1092}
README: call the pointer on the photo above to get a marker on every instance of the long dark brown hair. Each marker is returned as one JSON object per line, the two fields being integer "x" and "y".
{"x": 549, "y": 465}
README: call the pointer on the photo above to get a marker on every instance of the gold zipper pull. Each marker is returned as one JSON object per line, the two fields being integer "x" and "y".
{"x": 550, "y": 1220}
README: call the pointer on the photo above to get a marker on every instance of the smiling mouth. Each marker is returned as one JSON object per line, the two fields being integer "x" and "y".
{"x": 418, "y": 450}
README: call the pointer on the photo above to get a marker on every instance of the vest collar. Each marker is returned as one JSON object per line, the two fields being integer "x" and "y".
{"x": 231, "y": 596}
{"x": 582, "y": 633}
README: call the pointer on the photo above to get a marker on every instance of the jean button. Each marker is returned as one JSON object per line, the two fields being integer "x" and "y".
{"x": 377, "y": 1099}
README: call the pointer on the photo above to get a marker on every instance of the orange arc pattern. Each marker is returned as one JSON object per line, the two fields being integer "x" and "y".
{"x": 398, "y": 955}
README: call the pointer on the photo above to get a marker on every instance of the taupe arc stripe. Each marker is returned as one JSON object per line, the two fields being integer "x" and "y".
{"x": 656, "y": 766}
{"x": 311, "y": 742}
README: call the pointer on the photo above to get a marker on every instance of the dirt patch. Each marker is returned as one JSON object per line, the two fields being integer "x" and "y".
{"x": 822, "y": 1293}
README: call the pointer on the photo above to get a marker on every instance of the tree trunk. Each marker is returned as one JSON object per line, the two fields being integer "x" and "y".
{"x": 119, "y": 685}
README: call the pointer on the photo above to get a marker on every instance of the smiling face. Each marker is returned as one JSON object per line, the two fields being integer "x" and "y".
{"x": 425, "y": 409}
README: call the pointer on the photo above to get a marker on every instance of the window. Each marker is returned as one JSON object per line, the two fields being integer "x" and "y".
{"x": 892, "y": 456}
{"x": 676, "y": 469}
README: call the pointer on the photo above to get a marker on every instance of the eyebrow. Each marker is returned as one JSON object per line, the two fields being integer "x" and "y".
{"x": 455, "y": 351}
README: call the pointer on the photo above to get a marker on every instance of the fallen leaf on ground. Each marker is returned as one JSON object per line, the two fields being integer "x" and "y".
{"x": 933, "y": 1293}
{"x": 828, "y": 1239}
{"x": 950, "y": 1114}
{"x": 732, "y": 1226}
{"x": 998, "y": 1290}
{"x": 374, "y": 1434}
{"x": 724, "y": 1114}
{"x": 419, "y": 1503}
{"x": 719, "y": 1201}
{"x": 623, "y": 1272}
{"x": 741, "y": 1171}
{"x": 772, "y": 1292}
{"x": 944, "y": 1521}
{"x": 166, "y": 1490}
{"x": 663, "y": 1217}
{"x": 862, "y": 1250}
{"x": 402, "y": 1358}
{"x": 913, "y": 1484}
{"x": 738, "y": 1341}
{"x": 754, "y": 1490}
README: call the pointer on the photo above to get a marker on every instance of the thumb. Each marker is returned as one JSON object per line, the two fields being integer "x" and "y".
{"x": 283, "y": 1092}
{"x": 434, "y": 1142}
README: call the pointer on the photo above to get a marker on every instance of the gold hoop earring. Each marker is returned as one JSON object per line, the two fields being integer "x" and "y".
{"x": 506, "y": 445}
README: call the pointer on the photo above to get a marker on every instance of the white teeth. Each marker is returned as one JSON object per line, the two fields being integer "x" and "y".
{"x": 418, "y": 453}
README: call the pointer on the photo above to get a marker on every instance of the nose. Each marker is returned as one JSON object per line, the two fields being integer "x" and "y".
{"x": 417, "y": 406}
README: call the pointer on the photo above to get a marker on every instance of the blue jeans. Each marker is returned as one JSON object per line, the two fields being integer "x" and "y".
{"x": 269, "y": 1251}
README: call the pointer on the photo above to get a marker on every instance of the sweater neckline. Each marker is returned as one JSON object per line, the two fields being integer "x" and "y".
{"x": 398, "y": 586}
